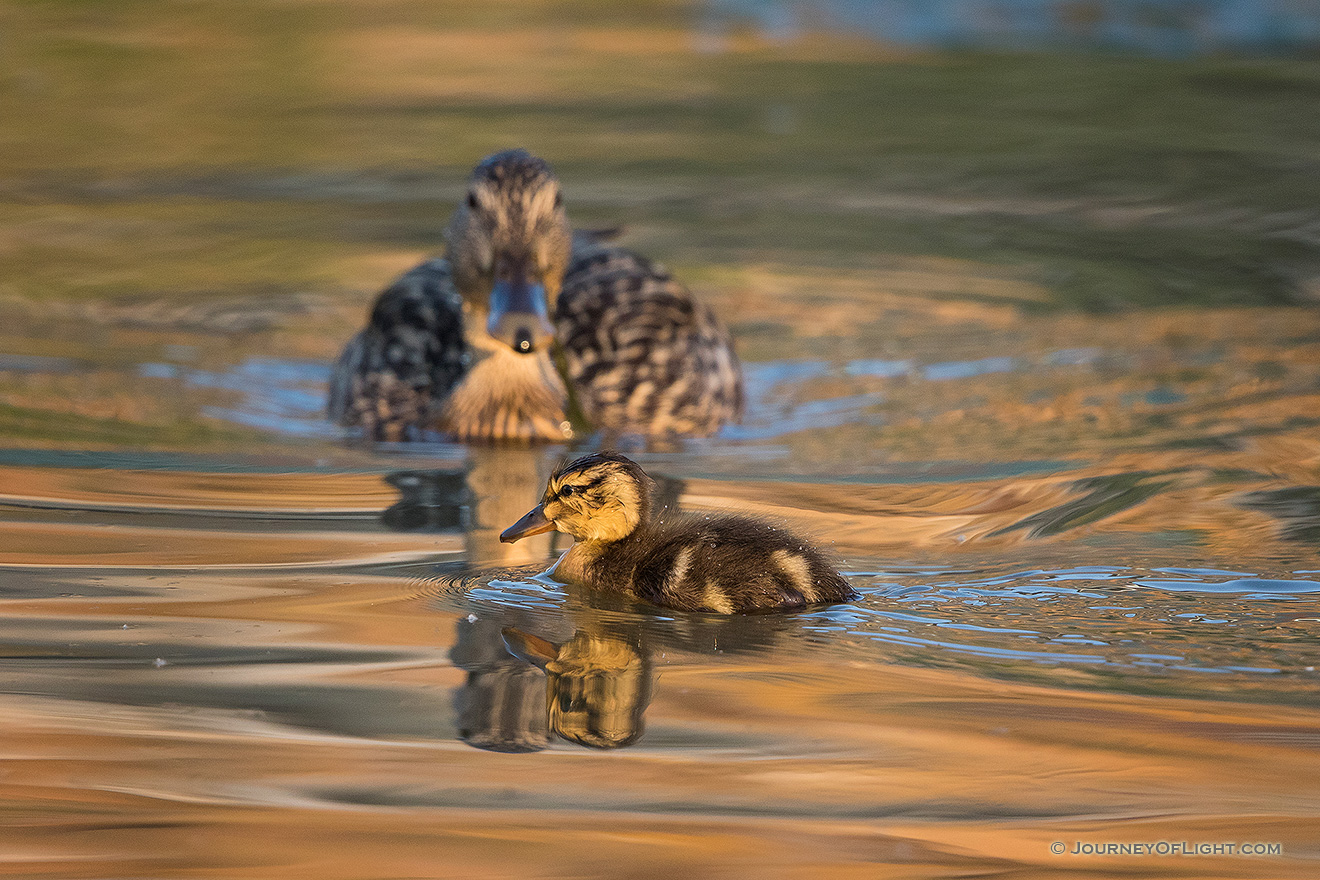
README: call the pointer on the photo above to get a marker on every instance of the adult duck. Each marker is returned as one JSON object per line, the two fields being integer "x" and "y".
{"x": 522, "y": 316}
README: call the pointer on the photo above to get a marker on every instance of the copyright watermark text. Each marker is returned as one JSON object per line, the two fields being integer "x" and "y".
{"x": 1165, "y": 848}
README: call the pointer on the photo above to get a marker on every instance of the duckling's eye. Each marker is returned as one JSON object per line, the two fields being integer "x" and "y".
{"x": 566, "y": 492}
{"x": 472, "y": 200}
{"x": 559, "y": 199}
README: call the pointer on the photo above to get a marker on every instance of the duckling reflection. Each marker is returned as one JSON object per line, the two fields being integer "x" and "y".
{"x": 597, "y": 685}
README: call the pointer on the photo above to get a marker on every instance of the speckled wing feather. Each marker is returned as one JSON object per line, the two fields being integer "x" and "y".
{"x": 641, "y": 354}
{"x": 410, "y": 355}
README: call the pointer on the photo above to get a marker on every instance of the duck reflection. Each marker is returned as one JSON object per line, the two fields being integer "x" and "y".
{"x": 429, "y": 501}
{"x": 501, "y": 705}
{"x": 588, "y": 677}
{"x": 495, "y": 487}
{"x": 499, "y": 479}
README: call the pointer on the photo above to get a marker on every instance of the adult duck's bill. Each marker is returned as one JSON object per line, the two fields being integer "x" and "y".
{"x": 534, "y": 523}
{"x": 518, "y": 315}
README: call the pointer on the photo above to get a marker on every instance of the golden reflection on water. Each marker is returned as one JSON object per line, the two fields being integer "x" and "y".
{"x": 817, "y": 764}
{"x": 210, "y": 709}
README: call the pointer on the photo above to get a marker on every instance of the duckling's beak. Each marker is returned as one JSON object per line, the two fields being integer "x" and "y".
{"x": 534, "y": 523}
{"x": 519, "y": 316}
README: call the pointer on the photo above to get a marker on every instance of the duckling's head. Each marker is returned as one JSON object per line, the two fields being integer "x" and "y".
{"x": 509, "y": 243}
{"x": 602, "y": 497}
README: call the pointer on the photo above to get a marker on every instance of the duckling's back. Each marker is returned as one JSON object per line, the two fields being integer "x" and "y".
{"x": 724, "y": 564}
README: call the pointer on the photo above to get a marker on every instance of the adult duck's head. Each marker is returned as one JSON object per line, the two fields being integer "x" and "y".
{"x": 509, "y": 243}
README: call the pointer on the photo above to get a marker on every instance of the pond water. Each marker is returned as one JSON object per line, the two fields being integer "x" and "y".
{"x": 1051, "y": 396}
{"x": 309, "y": 662}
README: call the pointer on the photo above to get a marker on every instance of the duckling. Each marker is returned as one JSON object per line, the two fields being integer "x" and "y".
{"x": 464, "y": 344}
{"x": 725, "y": 564}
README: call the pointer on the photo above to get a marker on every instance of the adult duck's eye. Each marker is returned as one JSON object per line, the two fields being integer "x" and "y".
{"x": 472, "y": 200}
{"x": 566, "y": 492}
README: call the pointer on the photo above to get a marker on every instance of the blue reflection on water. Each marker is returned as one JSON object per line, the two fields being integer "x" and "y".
{"x": 969, "y": 369}
{"x": 286, "y": 396}
{"x": 1235, "y": 629}
{"x": 1254, "y": 586}
{"x": 1172, "y": 27}
{"x": 276, "y": 395}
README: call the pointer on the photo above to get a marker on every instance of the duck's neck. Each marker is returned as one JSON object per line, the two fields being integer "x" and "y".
{"x": 507, "y": 396}
{"x": 576, "y": 564}
{"x": 584, "y": 558}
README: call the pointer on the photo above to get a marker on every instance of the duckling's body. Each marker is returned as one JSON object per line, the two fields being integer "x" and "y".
{"x": 724, "y": 564}
{"x": 721, "y": 563}
{"x": 463, "y": 344}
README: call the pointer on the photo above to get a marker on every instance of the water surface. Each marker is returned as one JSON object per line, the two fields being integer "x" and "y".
{"x": 1031, "y": 347}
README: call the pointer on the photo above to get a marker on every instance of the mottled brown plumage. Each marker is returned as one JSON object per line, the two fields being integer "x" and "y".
{"x": 463, "y": 345}
{"x": 644, "y": 356}
{"x": 719, "y": 563}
